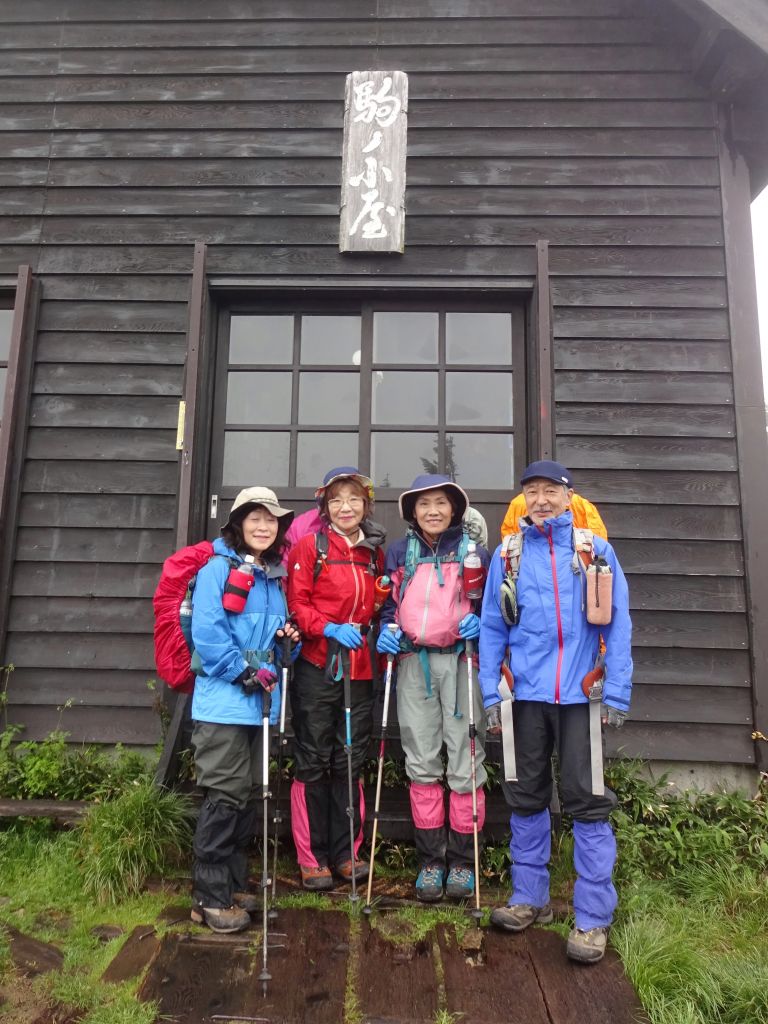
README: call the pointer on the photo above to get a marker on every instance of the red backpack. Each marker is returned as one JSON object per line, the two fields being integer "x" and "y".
{"x": 173, "y": 650}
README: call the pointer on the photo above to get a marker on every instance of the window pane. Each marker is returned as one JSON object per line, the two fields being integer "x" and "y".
{"x": 6, "y": 319}
{"x": 329, "y": 398}
{"x": 402, "y": 396}
{"x": 261, "y": 339}
{"x": 256, "y": 459}
{"x": 330, "y": 339}
{"x": 478, "y": 338}
{"x": 397, "y": 458}
{"x": 405, "y": 337}
{"x": 480, "y": 460}
{"x": 258, "y": 397}
{"x": 475, "y": 399}
{"x": 317, "y": 452}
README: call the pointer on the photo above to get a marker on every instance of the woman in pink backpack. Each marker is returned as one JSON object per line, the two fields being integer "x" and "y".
{"x": 435, "y": 618}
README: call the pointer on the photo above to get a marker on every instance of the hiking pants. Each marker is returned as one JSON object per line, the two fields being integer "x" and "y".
{"x": 320, "y": 794}
{"x": 430, "y": 716}
{"x": 539, "y": 728}
{"x": 229, "y": 767}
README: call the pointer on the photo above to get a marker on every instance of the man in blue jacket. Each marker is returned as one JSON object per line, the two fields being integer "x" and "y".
{"x": 551, "y": 648}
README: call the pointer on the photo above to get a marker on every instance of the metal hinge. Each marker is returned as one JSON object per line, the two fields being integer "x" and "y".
{"x": 214, "y": 506}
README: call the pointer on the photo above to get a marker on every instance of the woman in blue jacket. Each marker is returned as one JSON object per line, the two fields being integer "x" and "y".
{"x": 236, "y": 655}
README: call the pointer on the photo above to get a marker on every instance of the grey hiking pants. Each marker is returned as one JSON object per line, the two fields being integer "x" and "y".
{"x": 427, "y": 721}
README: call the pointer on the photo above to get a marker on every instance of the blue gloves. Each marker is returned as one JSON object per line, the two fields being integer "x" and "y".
{"x": 389, "y": 641}
{"x": 469, "y": 627}
{"x": 345, "y": 634}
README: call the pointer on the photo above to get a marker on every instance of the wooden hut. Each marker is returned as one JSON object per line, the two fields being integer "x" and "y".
{"x": 577, "y": 278}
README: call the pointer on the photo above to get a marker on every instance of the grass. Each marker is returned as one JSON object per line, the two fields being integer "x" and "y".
{"x": 39, "y": 872}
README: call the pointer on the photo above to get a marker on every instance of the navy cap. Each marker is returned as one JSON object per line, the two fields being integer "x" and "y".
{"x": 545, "y": 469}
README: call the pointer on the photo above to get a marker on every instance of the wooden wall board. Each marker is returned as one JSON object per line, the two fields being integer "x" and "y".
{"x": 134, "y": 726}
{"x": 105, "y": 379}
{"x": 102, "y": 579}
{"x": 726, "y": 744}
{"x": 676, "y": 522}
{"x": 120, "y": 511}
{"x": 687, "y": 593}
{"x": 720, "y": 630}
{"x": 85, "y": 651}
{"x": 681, "y": 557}
{"x": 72, "y": 544}
{"x": 113, "y": 347}
{"x": 130, "y": 412}
{"x": 40, "y": 615}
{"x": 650, "y": 487}
{"x": 97, "y": 478}
{"x": 665, "y": 666}
{"x": 646, "y": 420}
{"x": 684, "y": 453}
{"x": 724, "y": 704}
{"x": 115, "y": 688}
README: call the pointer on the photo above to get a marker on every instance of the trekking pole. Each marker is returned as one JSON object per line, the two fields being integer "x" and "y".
{"x": 476, "y": 913}
{"x": 348, "y": 750}
{"x": 266, "y": 707}
{"x": 384, "y": 715}
{"x": 277, "y": 817}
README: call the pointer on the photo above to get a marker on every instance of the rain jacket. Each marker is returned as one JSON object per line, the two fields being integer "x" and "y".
{"x": 226, "y": 643}
{"x": 585, "y": 515}
{"x": 430, "y": 610}
{"x": 553, "y": 646}
{"x": 342, "y": 592}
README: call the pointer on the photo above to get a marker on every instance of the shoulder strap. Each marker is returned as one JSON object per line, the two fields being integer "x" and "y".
{"x": 321, "y": 552}
{"x": 462, "y": 552}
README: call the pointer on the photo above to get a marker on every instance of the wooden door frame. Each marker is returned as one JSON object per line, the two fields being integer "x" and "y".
{"x": 13, "y": 429}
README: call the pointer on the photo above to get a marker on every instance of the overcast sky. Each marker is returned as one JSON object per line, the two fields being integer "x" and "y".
{"x": 760, "y": 235}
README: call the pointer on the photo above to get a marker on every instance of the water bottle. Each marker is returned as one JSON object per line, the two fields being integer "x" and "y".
{"x": 185, "y": 618}
{"x": 238, "y": 585}
{"x": 474, "y": 575}
{"x": 382, "y": 588}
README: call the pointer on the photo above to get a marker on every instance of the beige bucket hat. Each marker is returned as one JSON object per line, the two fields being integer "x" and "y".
{"x": 259, "y": 496}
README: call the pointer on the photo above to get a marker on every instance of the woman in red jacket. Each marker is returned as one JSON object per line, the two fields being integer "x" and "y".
{"x": 331, "y": 579}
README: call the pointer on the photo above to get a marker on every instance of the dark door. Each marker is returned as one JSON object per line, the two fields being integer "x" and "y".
{"x": 397, "y": 386}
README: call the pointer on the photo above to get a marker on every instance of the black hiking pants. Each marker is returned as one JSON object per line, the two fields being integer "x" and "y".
{"x": 229, "y": 766}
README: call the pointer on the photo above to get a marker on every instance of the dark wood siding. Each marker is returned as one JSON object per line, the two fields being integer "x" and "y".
{"x": 124, "y": 140}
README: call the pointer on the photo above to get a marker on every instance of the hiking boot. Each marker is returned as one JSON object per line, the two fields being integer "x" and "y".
{"x": 228, "y": 919}
{"x": 519, "y": 916}
{"x": 246, "y": 901}
{"x": 429, "y": 884}
{"x": 460, "y": 884}
{"x": 344, "y": 870}
{"x": 317, "y": 879}
{"x": 587, "y": 946}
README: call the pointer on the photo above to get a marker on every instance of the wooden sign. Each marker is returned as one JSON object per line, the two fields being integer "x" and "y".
{"x": 373, "y": 164}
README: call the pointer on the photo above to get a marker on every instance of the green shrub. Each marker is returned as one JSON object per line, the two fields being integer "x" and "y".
{"x": 145, "y": 831}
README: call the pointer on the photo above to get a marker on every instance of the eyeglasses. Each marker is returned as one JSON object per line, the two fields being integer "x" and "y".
{"x": 336, "y": 503}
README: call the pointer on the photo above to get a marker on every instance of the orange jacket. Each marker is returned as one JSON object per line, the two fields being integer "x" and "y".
{"x": 585, "y": 516}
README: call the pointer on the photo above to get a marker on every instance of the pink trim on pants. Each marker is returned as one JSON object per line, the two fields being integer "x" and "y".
{"x": 300, "y": 826}
{"x": 359, "y": 836}
{"x": 427, "y": 805}
{"x": 461, "y": 811}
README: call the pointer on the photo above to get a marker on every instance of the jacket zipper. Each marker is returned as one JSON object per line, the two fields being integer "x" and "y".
{"x": 557, "y": 612}
{"x": 357, "y": 584}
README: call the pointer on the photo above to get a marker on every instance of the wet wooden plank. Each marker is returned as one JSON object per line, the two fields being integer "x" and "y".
{"x": 134, "y": 956}
{"x": 102, "y": 443}
{"x": 102, "y": 578}
{"x": 680, "y": 741}
{"x": 663, "y": 453}
{"x": 100, "y": 477}
{"x": 587, "y": 354}
{"x": 80, "y": 615}
{"x": 721, "y": 630}
{"x": 85, "y": 544}
{"x": 117, "y": 288}
{"x": 154, "y": 317}
{"x": 642, "y": 386}
{"x": 114, "y": 688}
{"x": 690, "y": 522}
{"x": 641, "y": 323}
{"x": 127, "y": 413}
{"x": 587, "y": 171}
{"x": 407, "y": 990}
{"x": 113, "y": 347}
{"x": 76, "y": 379}
{"x": 223, "y": 143}
{"x": 88, "y": 650}
{"x": 687, "y": 593}
{"x": 647, "y": 420}
{"x": 681, "y": 557}
{"x": 669, "y": 667}
{"x": 572, "y": 990}
{"x": 645, "y": 488}
{"x": 706, "y": 704}
{"x": 498, "y": 987}
{"x": 135, "y": 726}
{"x": 315, "y": 942}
